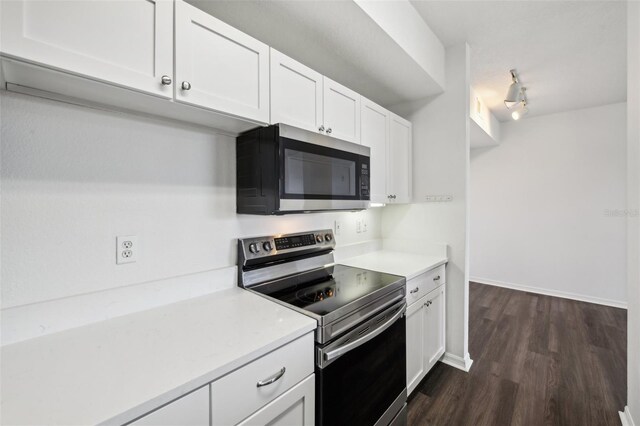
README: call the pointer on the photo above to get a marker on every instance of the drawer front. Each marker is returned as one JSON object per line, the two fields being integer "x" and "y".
{"x": 190, "y": 410}
{"x": 424, "y": 283}
{"x": 237, "y": 395}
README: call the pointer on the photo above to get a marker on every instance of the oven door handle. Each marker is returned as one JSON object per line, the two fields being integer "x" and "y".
{"x": 328, "y": 356}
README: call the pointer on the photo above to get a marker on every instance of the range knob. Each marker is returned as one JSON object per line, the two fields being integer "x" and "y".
{"x": 267, "y": 246}
{"x": 254, "y": 248}
{"x": 328, "y": 237}
{"x": 319, "y": 238}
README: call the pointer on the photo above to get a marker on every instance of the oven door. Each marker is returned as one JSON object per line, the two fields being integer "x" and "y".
{"x": 321, "y": 173}
{"x": 360, "y": 377}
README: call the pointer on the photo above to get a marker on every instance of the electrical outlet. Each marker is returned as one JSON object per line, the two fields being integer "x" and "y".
{"x": 337, "y": 227}
{"x": 126, "y": 249}
{"x": 358, "y": 226}
{"x": 365, "y": 225}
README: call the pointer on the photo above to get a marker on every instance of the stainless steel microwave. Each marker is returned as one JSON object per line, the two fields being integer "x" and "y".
{"x": 282, "y": 169}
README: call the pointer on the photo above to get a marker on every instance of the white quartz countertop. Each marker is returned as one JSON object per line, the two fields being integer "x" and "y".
{"x": 116, "y": 370}
{"x": 408, "y": 265}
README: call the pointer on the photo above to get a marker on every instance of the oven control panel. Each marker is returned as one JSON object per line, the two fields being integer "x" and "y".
{"x": 281, "y": 244}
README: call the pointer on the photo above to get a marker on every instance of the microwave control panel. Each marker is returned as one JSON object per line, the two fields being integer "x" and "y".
{"x": 364, "y": 181}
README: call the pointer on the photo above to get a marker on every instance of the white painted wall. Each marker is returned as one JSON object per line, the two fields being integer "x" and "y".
{"x": 539, "y": 205}
{"x": 441, "y": 166}
{"x": 406, "y": 27}
{"x": 73, "y": 178}
{"x": 633, "y": 220}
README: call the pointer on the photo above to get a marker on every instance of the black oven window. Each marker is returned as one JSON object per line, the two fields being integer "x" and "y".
{"x": 314, "y": 174}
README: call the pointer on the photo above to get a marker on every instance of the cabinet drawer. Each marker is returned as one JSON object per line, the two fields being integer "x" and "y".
{"x": 190, "y": 410}
{"x": 424, "y": 283}
{"x": 242, "y": 385}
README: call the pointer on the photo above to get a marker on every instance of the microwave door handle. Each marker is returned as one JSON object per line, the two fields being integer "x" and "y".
{"x": 338, "y": 352}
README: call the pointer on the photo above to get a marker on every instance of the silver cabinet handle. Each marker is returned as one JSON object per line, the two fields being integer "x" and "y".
{"x": 437, "y": 278}
{"x": 186, "y": 85}
{"x": 271, "y": 379}
{"x": 329, "y": 130}
{"x": 321, "y": 129}
{"x": 415, "y": 290}
{"x": 165, "y": 80}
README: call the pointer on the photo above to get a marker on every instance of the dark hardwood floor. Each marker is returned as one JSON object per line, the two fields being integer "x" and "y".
{"x": 538, "y": 360}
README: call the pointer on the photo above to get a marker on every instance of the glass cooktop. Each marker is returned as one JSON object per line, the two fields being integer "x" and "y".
{"x": 324, "y": 291}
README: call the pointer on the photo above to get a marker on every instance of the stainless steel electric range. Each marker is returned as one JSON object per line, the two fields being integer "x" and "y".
{"x": 361, "y": 335}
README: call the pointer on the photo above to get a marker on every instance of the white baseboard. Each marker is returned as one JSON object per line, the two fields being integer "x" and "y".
{"x": 460, "y": 363}
{"x": 625, "y": 417}
{"x": 547, "y": 292}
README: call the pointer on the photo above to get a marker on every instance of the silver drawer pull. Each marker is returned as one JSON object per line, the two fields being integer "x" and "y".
{"x": 271, "y": 379}
{"x": 415, "y": 290}
{"x": 437, "y": 278}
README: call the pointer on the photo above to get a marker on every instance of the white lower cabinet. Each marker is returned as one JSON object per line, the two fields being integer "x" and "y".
{"x": 434, "y": 344}
{"x": 425, "y": 333}
{"x": 277, "y": 389}
{"x": 190, "y": 410}
{"x": 415, "y": 344}
{"x": 296, "y": 407}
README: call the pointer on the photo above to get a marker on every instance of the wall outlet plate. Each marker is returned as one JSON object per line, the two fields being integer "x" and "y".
{"x": 337, "y": 227}
{"x": 126, "y": 249}
{"x": 358, "y": 225}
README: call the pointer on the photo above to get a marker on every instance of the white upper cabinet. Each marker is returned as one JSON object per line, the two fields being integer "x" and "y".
{"x": 341, "y": 111}
{"x": 296, "y": 93}
{"x": 374, "y": 133}
{"x": 126, "y": 43}
{"x": 399, "y": 163}
{"x": 219, "y": 67}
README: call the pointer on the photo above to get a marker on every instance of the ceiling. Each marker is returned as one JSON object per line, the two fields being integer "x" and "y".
{"x": 570, "y": 54}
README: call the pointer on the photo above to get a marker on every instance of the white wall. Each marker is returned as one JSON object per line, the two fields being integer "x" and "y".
{"x": 633, "y": 220}
{"x": 73, "y": 178}
{"x": 539, "y": 205}
{"x": 441, "y": 166}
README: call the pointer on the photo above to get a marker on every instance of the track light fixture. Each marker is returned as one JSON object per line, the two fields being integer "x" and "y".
{"x": 516, "y": 99}
{"x": 514, "y": 94}
{"x": 521, "y": 108}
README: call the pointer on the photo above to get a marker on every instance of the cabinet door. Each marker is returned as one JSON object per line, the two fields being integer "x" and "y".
{"x": 295, "y": 407}
{"x": 434, "y": 327}
{"x": 374, "y": 133}
{"x": 219, "y": 67}
{"x": 190, "y": 410}
{"x": 399, "y": 165}
{"x": 341, "y": 111}
{"x": 415, "y": 343}
{"x": 127, "y": 43}
{"x": 296, "y": 93}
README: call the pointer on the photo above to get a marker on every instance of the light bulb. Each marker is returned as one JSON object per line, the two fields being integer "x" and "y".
{"x": 518, "y": 113}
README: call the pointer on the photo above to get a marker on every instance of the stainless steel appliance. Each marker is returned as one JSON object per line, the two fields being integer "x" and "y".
{"x": 361, "y": 334}
{"x": 282, "y": 169}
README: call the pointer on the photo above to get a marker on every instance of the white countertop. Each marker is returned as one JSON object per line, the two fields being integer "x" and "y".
{"x": 117, "y": 370}
{"x": 408, "y": 265}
